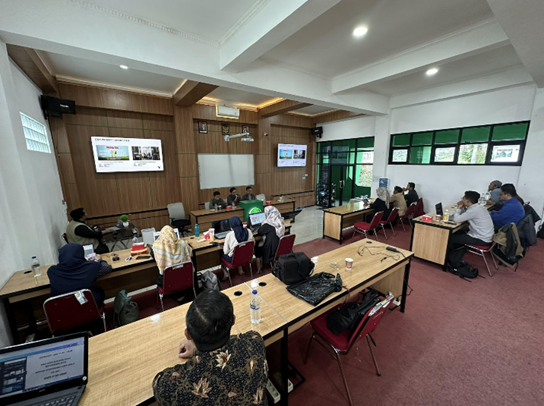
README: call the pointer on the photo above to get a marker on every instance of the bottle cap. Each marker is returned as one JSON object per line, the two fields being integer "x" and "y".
{"x": 33, "y": 257}
{"x": 254, "y": 292}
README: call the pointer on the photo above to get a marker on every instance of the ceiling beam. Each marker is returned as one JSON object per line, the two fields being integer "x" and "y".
{"x": 462, "y": 44}
{"x": 267, "y": 28}
{"x": 522, "y": 22}
{"x": 191, "y": 91}
{"x": 334, "y": 116}
{"x": 281, "y": 107}
{"x": 31, "y": 64}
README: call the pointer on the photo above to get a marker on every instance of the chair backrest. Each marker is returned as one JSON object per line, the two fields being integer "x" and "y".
{"x": 393, "y": 215}
{"x": 178, "y": 277}
{"x": 207, "y": 205}
{"x": 370, "y": 320}
{"x": 176, "y": 211}
{"x": 411, "y": 210}
{"x": 64, "y": 312}
{"x": 285, "y": 245}
{"x": 261, "y": 197}
{"x": 243, "y": 254}
{"x": 376, "y": 220}
{"x": 419, "y": 210}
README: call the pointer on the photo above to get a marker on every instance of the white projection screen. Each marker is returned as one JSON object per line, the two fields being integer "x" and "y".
{"x": 225, "y": 170}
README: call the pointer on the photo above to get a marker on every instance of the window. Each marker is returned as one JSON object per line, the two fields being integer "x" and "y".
{"x": 35, "y": 135}
{"x": 497, "y": 144}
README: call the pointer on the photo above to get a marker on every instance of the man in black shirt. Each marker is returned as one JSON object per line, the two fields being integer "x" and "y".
{"x": 249, "y": 194}
{"x": 78, "y": 232}
{"x": 411, "y": 196}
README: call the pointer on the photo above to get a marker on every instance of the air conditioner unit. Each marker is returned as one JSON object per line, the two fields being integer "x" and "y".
{"x": 229, "y": 112}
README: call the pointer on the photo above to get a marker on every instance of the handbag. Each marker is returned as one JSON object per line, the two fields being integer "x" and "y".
{"x": 316, "y": 288}
{"x": 293, "y": 268}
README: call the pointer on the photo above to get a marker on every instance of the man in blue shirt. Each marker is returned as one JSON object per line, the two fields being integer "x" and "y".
{"x": 512, "y": 210}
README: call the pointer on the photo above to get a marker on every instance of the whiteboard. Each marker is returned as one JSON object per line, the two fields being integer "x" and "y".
{"x": 225, "y": 170}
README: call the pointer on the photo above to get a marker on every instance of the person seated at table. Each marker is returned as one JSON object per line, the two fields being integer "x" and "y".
{"x": 249, "y": 194}
{"x": 512, "y": 210}
{"x": 221, "y": 368}
{"x": 237, "y": 235}
{"x": 272, "y": 229}
{"x": 397, "y": 200}
{"x": 74, "y": 272}
{"x": 78, "y": 232}
{"x": 411, "y": 196}
{"x": 169, "y": 250}
{"x": 234, "y": 198}
{"x": 494, "y": 190}
{"x": 480, "y": 226}
{"x": 218, "y": 201}
{"x": 381, "y": 203}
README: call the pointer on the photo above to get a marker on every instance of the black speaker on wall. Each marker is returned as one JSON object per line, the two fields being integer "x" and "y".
{"x": 317, "y": 131}
{"x": 54, "y": 107}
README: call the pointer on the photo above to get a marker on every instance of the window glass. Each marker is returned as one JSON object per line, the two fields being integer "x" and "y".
{"x": 475, "y": 134}
{"x": 505, "y": 153}
{"x": 367, "y": 142}
{"x": 422, "y": 138}
{"x": 323, "y": 147}
{"x": 447, "y": 137}
{"x": 35, "y": 135}
{"x": 420, "y": 155}
{"x": 444, "y": 154}
{"x": 400, "y": 155}
{"x": 364, "y": 175}
{"x": 401, "y": 140}
{"x": 365, "y": 157}
{"x": 344, "y": 145}
{"x": 472, "y": 154}
{"x": 510, "y": 132}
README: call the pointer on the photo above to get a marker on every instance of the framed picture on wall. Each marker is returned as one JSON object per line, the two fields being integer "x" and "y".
{"x": 225, "y": 128}
{"x": 245, "y": 129}
{"x": 203, "y": 127}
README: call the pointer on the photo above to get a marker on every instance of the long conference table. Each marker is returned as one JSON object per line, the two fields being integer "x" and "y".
{"x": 336, "y": 219}
{"x": 124, "y": 361}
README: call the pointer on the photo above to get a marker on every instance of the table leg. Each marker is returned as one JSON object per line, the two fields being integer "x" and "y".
{"x": 11, "y": 321}
{"x": 405, "y": 286}
{"x": 284, "y": 390}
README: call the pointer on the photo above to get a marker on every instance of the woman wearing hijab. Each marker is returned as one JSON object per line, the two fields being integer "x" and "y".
{"x": 238, "y": 235}
{"x": 168, "y": 250}
{"x": 74, "y": 272}
{"x": 272, "y": 229}
{"x": 381, "y": 203}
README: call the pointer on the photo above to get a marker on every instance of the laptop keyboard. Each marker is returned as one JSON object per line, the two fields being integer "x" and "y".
{"x": 222, "y": 235}
{"x": 63, "y": 401}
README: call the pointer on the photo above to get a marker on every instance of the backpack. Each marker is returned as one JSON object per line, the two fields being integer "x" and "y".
{"x": 293, "y": 268}
{"x": 349, "y": 315}
{"x": 459, "y": 267}
{"x": 125, "y": 311}
{"x": 210, "y": 281}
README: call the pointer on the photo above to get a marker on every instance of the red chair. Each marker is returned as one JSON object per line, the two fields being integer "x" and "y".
{"x": 364, "y": 227}
{"x": 409, "y": 215}
{"x": 243, "y": 254}
{"x": 481, "y": 250}
{"x": 176, "y": 279}
{"x": 343, "y": 342}
{"x": 392, "y": 216}
{"x": 420, "y": 209}
{"x": 285, "y": 245}
{"x": 64, "y": 312}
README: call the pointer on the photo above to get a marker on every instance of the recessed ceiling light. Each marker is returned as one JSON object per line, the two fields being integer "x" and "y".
{"x": 432, "y": 71}
{"x": 360, "y": 31}
{"x": 123, "y": 66}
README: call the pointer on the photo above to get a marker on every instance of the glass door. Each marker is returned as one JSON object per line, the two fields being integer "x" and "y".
{"x": 342, "y": 178}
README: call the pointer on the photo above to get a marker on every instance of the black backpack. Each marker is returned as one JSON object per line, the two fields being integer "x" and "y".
{"x": 349, "y": 315}
{"x": 293, "y": 268}
{"x": 459, "y": 267}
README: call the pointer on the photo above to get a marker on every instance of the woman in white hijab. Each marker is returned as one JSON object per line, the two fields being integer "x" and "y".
{"x": 381, "y": 203}
{"x": 272, "y": 229}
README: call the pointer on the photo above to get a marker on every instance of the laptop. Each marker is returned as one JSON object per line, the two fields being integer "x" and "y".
{"x": 255, "y": 221}
{"x": 156, "y": 234}
{"x": 439, "y": 210}
{"x": 88, "y": 251}
{"x": 48, "y": 372}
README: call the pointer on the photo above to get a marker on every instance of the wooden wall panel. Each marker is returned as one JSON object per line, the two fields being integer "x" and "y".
{"x": 87, "y": 116}
{"x": 188, "y": 166}
{"x": 124, "y": 119}
{"x": 133, "y": 191}
{"x": 156, "y": 122}
{"x": 126, "y": 132}
{"x": 183, "y": 122}
{"x": 188, "y": 196}
{"x": 67, "y": 168}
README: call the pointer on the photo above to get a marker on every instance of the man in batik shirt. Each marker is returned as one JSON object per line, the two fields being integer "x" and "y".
{"x": 222, "y": 369}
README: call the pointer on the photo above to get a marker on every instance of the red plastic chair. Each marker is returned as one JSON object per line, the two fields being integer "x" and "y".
{"x": 285, "y": 245}
{"x": 364, "y": 227}
{"x": 420, "y": 209}
{"x": 481, "y": 250}
{"x": 343, "y": 342}
{"x": 243, "y": 254}
{"x": 176, "y": 279}
{"x": 409, "y": 215}
{"x": 64, "y": 312}
{"x": 392, "y": 216}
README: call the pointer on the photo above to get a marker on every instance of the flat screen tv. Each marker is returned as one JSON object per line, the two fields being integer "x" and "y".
{"x": 127, "y": 154}
{"x": 292, "y": 155}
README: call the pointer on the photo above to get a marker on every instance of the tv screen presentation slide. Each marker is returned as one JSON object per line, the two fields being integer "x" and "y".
{"x": 292, "y": 155}
{"x": 127, "y": 154}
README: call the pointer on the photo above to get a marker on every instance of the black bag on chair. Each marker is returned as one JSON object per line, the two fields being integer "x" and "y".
{"x": 349, "y": 315}
{"x": 293, "y": 268}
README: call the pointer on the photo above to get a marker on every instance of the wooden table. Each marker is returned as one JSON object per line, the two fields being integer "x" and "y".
{"x": 23, "y": 294}
{"x": 338, "y": 218}
{"x": 205, "y": 218}
{"x": 124, "y": 361}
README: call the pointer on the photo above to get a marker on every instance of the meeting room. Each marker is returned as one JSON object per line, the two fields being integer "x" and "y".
{"x": 266, "y": 202}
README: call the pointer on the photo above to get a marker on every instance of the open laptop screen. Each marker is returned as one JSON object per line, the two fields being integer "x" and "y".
{"x": 32, "y": 368}
{"x": 156, "y": 234}
{"x": 257, "y": 219}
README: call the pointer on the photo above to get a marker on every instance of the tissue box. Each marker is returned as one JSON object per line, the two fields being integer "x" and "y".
{"x": 426, "y": 218}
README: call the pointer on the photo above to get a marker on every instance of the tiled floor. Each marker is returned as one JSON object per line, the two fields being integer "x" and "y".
{"x": 308, "y": 225}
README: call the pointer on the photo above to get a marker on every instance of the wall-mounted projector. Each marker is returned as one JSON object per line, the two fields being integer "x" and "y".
{"x": 228, "y": 112}
{"x": 245, "y": 137}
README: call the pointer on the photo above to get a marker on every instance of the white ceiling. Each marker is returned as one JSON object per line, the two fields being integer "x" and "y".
{"x": 327, "y": 47}
{"x": 492, "y": 61}
{"x": 313, "y": 110}
{"x": 238, "y": 97}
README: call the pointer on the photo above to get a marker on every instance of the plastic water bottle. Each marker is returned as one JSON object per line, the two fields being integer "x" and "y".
{"x": 255, "y": 308}
{"x": 197, "y": 231}
{"x": 135, "y": 239}
{"x": 36, "y": 266}
{"x": 446, "y": 216}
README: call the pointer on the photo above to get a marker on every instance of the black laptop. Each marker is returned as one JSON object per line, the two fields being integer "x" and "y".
{"x": 50, "y": 372}
{"x": 439, "y": 210}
